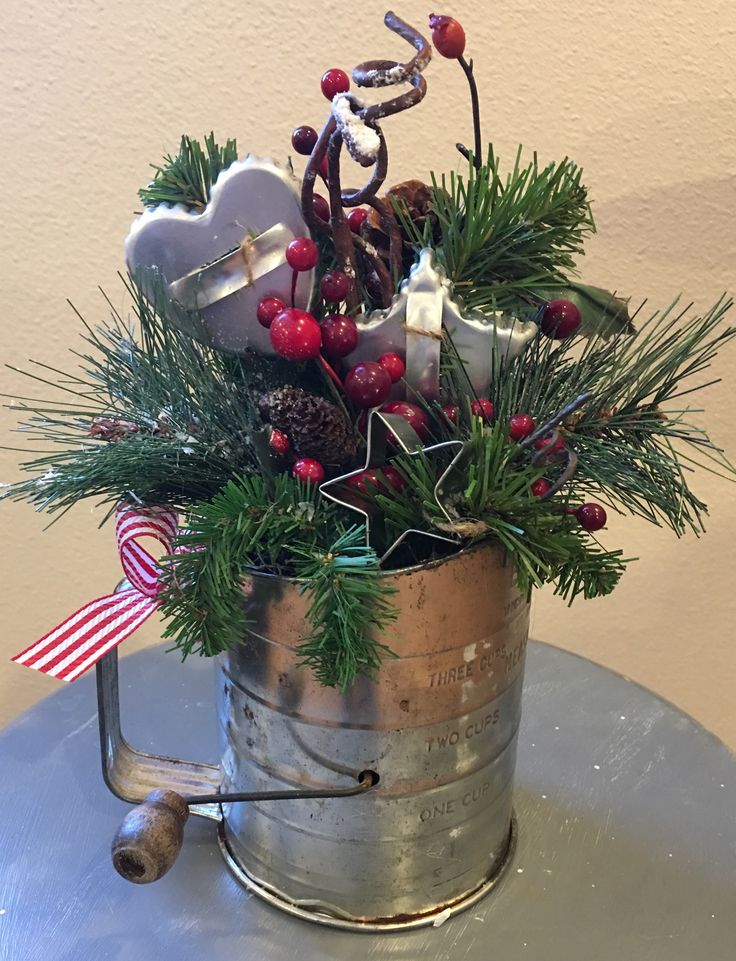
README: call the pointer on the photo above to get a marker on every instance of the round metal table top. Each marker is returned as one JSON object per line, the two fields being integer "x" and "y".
{"x": 627, "y": 837}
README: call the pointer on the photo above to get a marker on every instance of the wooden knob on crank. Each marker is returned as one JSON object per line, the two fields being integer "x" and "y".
{"x": 150, "y": 837}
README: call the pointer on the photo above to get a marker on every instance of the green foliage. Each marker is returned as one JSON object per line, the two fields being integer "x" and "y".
{"x": 188, "y": 177}
{"x": 489, "y": 495}
{"x": 194, "y": 409}
{"x": 636, "y": 441}
{"x": 285, "y": 527}
{"x": 511, "y": 242}
{"x": 350, "y": 607}
{"x": 501, "y": 236}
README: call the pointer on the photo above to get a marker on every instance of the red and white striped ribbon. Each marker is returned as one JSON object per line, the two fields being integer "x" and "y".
{"x": 82, "y": 639}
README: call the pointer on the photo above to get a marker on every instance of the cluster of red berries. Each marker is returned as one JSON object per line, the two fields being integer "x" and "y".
{"x": 304, "y": 139}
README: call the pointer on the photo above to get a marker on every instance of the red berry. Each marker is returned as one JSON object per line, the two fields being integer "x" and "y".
{"x": 560, "y": 319}
{"x": 279, "y": 442}
{"x": 267, "y": 309}
{"x": 356, "y": 218}
{"x": 339, "y": 336}
{"x": 521, "y": 426}
{"x": 451, "y": 413}
{"x": 302, "y": 254}
{"x": 295, "y": 335}
{"x": 540, "y": 487}
{"x": 394, "y": 365}
{"x": 385, "y": 477}
{"x": 334, "y": 81}
{"x": 308, "y": 470}
{"x": 415, "y": 416}
{"x": 324, "y": 168}
{"x": 447, "y": 36}
{"x": 303, "y": 140}
{"x": 335, "y": 286}
{"x": 482, "y": 408}
{"x": 394, "y": 476}
{"x": 367, "y": 384}
{"x": 591, "y": 517}
{"x": 364, "y": 480}
{"x": 321, "y": 207}
{"x": 543, "y": 442}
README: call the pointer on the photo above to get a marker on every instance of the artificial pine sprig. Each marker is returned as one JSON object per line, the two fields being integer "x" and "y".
{"x": 491, "y": 496}
{"x": 194, "y": 409}
{"x": 281, "y": 526}
{"x": 251, "y": 525}
{"x": 636, "y": 441}
{"x": 501, "y": 235}
{"x": 350, "y": 608}
{"x": 188, "y": 177}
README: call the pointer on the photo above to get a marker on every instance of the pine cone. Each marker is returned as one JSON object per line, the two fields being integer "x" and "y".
{"x": 315, "y": 427}
{"x": 112, "y": 429}
{"x": 415, "y": 198}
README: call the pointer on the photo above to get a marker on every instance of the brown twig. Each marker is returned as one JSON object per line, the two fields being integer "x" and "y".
{"x": 372, "y": 73}
{"x": 342, "y": 235}
{"x": 468, "y": 71}
{"x": 390, "y": 226}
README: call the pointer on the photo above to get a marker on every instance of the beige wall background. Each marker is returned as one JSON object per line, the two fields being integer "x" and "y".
{"x": 641, "y": 95}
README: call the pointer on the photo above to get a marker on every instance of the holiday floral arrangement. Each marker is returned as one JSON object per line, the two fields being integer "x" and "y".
{"x": 328, "y": 383}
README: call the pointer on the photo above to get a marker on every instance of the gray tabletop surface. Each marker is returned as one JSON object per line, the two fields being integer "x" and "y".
{"x": 627, "y": 837}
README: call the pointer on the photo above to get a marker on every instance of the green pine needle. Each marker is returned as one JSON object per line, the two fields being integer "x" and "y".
{"x": 188, "y": 177}
{"x": 280, "y": 527}
{"x": 350, "y": 609}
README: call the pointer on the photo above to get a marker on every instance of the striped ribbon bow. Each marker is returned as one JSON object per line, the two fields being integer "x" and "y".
{"x": 82, "y": 639}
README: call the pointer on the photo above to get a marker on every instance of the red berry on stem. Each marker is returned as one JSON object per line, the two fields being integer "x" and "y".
{"x": 295, "y": 335}
{"x": 335, "y": 286}
{"x": 339, "y": 336}
{"x": 356, "y": 218}
{"x": 308, "y": 470}
{"x": 540, "y": 487}
{"x": 560, "y": 319}
{"x": 364, "y": 480}
{"x": 448, "y": 36}
{"x": 591, "y": 517}
{"x": 545, "y": 443}
{"x": 324, "y": 168}
{"x": 451, "y": 413}
{"x": 321, "y": 207}
{"x": 482, "y": 408}
{"x": 367, "y": 384}
{"x": 415, "y": 416}
{"x": 334, "y": 81}
{"x": 394, "y": 365}
{"x": 521, "y": 426}
{"x": 302, "y": 254}
{"x": 279, "y": 442}
{"x": 267, "y": 309}
{"x": 394, "y": 477}
{"x": 303, "y": 139}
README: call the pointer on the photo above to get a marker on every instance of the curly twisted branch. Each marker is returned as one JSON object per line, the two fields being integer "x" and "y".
{"x": 372, "y": 73}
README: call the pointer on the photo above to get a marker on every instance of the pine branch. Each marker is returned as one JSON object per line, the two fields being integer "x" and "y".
{"x": 502, "y": 236}
{"x": 188, "y": 177}
{"x": 492, "y": 497}
{"x": 283, "y": 527}
{"x": 349, "y": 609}
{"x": 193, "y": 412}
{"x": 250, "y": 525}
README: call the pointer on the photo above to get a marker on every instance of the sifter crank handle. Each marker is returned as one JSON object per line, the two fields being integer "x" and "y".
{"x": 150, "y": 837}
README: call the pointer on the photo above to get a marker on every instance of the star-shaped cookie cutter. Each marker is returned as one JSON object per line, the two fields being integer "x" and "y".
{"x": 404, "y": 440}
